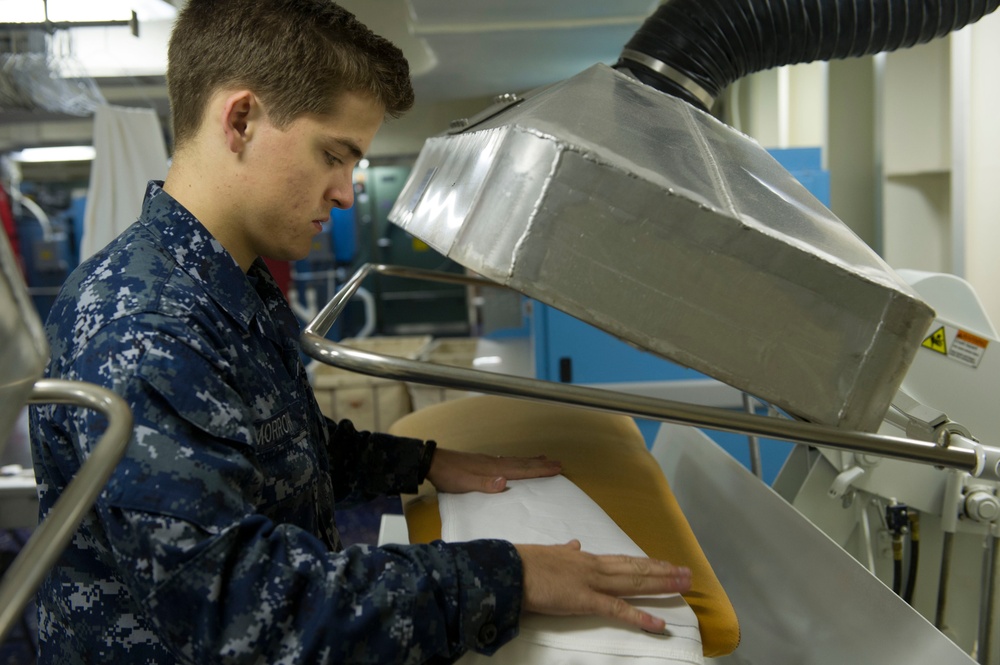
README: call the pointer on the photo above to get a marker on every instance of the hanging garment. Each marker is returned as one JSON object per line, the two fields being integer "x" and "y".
{"x": 7, "y": 215}
{"x": 130, "y": 151}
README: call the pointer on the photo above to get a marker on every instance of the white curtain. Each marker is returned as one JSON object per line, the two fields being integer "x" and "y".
{"x": 130, "y": 151}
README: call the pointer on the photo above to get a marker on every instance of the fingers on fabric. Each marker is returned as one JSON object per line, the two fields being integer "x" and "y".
{"x": 623, "y": 576}
{"x": 453, "y": 471}
{"x": 517, "y": 468}
{"x": 620, "y": 610}
{"x": 491, "y": 485}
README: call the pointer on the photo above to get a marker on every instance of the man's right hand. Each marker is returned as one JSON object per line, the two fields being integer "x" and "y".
{"x": 563, "y": 580}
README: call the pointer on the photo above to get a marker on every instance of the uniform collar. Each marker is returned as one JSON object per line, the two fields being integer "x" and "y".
{"x": 205, "y": 260}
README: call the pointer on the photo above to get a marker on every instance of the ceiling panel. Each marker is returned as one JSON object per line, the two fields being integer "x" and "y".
{"x": 460, "y": 50}
{"x": 515, "y": 61}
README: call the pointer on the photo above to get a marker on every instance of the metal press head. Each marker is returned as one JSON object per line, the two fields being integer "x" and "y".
{"x": 616, "y": 197}
{"x": 634, "y": 211}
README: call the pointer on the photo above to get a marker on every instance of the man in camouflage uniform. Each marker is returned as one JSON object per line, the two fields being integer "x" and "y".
{"x": 215, "y": 540}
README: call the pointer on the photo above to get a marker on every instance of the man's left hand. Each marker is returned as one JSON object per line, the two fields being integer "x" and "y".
{"x": 457, "y": 472}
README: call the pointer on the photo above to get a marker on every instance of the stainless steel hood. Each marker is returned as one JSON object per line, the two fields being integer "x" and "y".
{"x": 636, "y": 212}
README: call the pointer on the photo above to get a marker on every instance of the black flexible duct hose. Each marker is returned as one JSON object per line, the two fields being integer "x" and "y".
{"x": 911, "y": 575}
{"x": 911, "y": 571}
{"x": 712, "y": 43}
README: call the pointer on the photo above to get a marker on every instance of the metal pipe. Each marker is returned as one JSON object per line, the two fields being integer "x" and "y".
{"x": 755, "y": 464}
{"x": 51, "y": 27}
{"x": 34, "y": 209}
{"x": 866, "y": 536}
{"x": 52, "y": 536}
{"x": 991, "y": 555}
{"x": 314, "y": 343}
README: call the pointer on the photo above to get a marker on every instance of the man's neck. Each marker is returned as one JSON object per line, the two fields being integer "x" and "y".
{"x": 198, "y": 189}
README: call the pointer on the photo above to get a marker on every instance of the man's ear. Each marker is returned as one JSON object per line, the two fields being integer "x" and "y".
{"x": 237, "y": 111}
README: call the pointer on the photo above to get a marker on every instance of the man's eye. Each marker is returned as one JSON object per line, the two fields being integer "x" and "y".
{"x": 331, "y": 159}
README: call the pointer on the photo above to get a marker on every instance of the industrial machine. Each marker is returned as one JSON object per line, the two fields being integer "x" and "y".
{"x": 930, "y": 533}
{"x": 615, "y": 197}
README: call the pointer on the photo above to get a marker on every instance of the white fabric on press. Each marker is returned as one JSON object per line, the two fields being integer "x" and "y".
{"x": 130, "y": 151}
{"x": 550, "y": 511}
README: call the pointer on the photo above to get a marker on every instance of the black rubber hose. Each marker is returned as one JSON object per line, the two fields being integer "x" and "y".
{"x": 914, "y": 564}
{"x": 947, "y": 549}
{"x": 911, "y": 573}
{"x": 716, "y": 42}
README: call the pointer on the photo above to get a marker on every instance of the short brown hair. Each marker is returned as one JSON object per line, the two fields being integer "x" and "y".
{"x": 296, "y": 55}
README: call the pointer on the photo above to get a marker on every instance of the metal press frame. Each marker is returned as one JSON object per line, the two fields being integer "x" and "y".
{"x": 953, "y": 449}
{"x": 52, "y": 536}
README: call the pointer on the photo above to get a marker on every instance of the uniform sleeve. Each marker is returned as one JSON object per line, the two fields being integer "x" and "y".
{"x": 222, "y": 581}
{"x": 364, "y": 464}
{"x": 261, "y": 592}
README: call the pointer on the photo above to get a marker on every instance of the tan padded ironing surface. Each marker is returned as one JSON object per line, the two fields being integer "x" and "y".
{"x": 605, "y": 455}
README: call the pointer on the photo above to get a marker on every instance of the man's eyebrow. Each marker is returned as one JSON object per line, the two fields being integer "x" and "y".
{"x": 348, "y": 145}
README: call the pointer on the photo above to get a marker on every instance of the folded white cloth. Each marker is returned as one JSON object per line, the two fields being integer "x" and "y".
{"x": 550, "y": 511}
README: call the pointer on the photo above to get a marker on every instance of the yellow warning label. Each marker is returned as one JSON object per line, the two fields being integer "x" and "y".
{"x": 936, "y": 341}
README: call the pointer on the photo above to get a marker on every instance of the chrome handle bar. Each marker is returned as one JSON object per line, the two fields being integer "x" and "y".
{"x": 52, "y": 536}
{"x": 969, "y": 456}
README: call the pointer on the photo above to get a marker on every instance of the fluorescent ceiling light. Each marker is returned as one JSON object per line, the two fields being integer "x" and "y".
{"x": 69, "y": 11}
{"x": 69, "y": 153}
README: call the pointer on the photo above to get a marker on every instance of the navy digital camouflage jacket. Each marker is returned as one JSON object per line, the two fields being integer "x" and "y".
{"x": 215, "y": 541}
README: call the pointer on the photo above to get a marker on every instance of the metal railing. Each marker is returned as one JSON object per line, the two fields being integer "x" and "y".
{"x": 957, "y": 451}
{"x": 52, "y": 536}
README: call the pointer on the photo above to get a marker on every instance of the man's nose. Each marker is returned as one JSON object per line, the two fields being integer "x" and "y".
{"x": 341, "y": 192}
